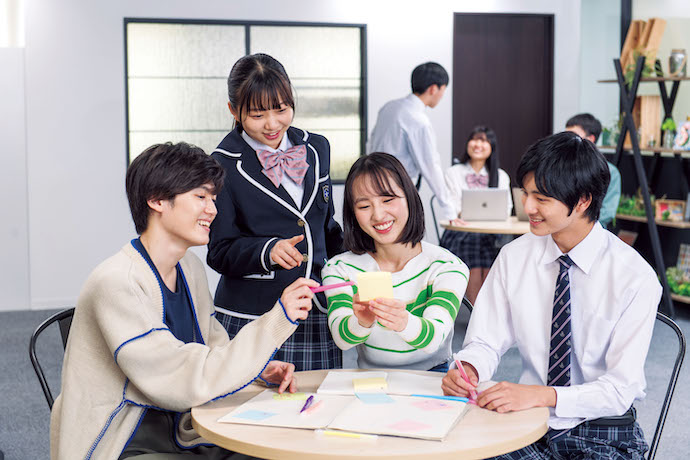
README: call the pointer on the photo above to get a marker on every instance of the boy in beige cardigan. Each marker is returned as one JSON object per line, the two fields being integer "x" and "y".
{"x": 144, "y": 345}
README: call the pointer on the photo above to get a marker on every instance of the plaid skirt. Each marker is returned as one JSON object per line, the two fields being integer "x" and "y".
{"x": 477, "y": 250}
{"x": 309, "y": 348}
{"x": 587, "y": 440}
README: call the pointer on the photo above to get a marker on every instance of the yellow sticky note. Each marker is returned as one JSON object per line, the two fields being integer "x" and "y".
{"x": 290, "y": 396}
{"x": 374, "y": 383}
{"x": 371, "y": 285}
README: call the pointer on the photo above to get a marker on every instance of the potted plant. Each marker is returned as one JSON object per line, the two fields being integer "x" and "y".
{"x": 669, "y": 129}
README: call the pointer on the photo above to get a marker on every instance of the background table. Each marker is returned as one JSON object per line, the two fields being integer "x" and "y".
{"x": 512, "y": 226}
{"x": 479, "y": 434}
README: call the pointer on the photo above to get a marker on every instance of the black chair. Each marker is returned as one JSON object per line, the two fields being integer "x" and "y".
{"x": 671, "y": 384}
{"x": 467, "y": 304}
{"x": 433, "y": 215}
{"x": 64, "y": 320}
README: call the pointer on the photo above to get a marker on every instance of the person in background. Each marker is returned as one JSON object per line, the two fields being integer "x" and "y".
{"x": 384, "y": 225}
{"x": 577, "y": 302}
{"x": 144, "y": 346}
{"x": 276, "y": 211}
{"x": 478, "y": 168}
{"x": 588, "y": 127}
{"x": 404, "y": 130}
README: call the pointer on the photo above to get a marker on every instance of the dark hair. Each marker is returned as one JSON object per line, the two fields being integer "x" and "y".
{"x": 493, "y": 160}
{"x": 589, "y": 124}
{"x": 163, "y": 171}
{"x": 381, "y": 168}
{"x": 258, "y": 81}
{"x": 567, "y": 168}
{"x": 427, "y": 74}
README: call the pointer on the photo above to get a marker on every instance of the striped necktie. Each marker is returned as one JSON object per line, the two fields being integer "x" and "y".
{"x": 561, "y": 335}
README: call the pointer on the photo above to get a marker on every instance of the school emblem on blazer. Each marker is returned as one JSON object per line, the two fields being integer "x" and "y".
{"x": 326, "y": 192}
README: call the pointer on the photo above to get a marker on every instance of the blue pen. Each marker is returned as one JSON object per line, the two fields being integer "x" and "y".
{"x": 447, "y": 398}
{"x": 310, "y": 400}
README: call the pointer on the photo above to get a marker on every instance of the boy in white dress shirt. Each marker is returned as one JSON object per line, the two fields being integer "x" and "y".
{"x": 578, "y": 303}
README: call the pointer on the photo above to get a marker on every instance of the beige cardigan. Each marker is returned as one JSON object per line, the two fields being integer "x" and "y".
{"x": 121, "y": 358}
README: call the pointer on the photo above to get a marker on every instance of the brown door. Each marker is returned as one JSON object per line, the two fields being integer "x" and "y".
{"x": 503, "y": 78}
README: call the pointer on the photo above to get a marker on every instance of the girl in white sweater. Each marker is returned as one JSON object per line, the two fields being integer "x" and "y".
{"x": 384, "y": 225}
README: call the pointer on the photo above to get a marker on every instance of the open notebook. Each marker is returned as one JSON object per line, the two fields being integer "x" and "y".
{"x": 372, "y": 402}
{"x": 406, "y": 416}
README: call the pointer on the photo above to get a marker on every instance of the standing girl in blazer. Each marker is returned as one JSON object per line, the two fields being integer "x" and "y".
{"x": 275, "y": 213}
{"x": 478, "y": 168}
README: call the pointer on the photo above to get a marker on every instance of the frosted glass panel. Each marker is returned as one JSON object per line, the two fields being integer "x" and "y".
{"x": 167, "y": 50}
{"x": 324, "y": 65}
{"x": 177, "y": 88}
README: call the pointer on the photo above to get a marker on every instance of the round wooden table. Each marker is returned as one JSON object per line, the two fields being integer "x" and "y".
{"x": 479, "y": 434}
{"x": 512, "y": 226}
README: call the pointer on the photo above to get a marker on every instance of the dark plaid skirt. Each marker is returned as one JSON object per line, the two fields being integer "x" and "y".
{"x": 311, "y": 347}
{"x": 477, "y": 250}
{"x": 587, "y": 440}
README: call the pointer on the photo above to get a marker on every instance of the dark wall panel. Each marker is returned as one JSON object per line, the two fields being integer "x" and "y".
{"x": 503, "y": 78}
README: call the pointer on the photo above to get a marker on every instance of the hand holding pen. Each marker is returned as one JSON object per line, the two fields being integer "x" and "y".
{"x": 458, "y": 383}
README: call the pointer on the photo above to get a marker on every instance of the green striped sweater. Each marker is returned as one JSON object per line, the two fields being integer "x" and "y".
{"x": 432, "y": 285}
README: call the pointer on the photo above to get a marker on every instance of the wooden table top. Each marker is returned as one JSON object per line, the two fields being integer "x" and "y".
{"x": 512, "y": 226}
{"x": 479, "y": 434}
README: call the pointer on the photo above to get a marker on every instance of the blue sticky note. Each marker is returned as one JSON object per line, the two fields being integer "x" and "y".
{"x": 374, "y": 398}
{"x": 255, "y": 415}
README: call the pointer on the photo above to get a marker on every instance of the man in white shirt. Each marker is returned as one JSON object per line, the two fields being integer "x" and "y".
{"x": 578, "y": 303}
{"x": 404, "y": 130}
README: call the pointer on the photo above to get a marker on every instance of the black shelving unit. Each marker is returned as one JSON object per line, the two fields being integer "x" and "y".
{"x": 628, "y": 96}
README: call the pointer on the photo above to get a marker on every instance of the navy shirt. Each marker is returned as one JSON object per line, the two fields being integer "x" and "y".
{"x": 177, "y": 306}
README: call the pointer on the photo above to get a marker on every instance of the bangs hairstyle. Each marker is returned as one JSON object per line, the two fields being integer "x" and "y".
{"x": 258, "y": 82}
{"x": 567, "y": 168}
{"x": 163, "y": 171}
{"x": 380, "y": 168}
{"x": 492, "y": 163}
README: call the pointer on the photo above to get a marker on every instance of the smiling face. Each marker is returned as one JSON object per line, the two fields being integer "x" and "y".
{"x": 479, "y": 148}
{"x": 382, "y": 217}
{"x": 548, "y": 216}
{"x": 187, "y": 217}
{"x": 267, "y": 126}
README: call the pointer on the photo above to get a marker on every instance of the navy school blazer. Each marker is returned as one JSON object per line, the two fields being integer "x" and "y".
{"x": 253, "y": 215}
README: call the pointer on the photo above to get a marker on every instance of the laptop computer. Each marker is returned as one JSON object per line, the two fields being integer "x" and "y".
{"x": 517, "y": 203}
{"x": 484, "y": 204}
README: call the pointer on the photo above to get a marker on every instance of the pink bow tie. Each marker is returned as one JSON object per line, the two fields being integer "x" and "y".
{"x": 477, "y": 180}
{"x": 292, "y": 162}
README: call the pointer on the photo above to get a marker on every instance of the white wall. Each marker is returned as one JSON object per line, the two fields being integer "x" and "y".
{"x": 75, "y": 105}
{"x": 14, "y": 261}
{"x": 599, "y": 45}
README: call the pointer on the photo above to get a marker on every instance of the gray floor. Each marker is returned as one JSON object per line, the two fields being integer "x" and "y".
{"x": 24, "y": 416}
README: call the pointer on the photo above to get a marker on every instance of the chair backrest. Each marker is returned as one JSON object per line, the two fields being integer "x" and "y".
{"x": 64, "y": 320}
{"x": 433, "y": 215}
{"x": 467, "y": 304}
{"x": 671, "y": 384}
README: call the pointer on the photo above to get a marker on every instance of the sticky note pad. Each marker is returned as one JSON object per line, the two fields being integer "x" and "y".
{"x": 374, "y": 398}
{"x": 370, "y": 384}
{"x": 371, "y": 285}
{"x": 290, "y": 396}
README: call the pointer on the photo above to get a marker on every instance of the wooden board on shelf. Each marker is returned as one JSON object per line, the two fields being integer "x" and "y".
{"x": 647, "y": 119}
{"x": 652, "y": 39}
{"x": 632, "y": 38}
{"x": 662, "y": 223}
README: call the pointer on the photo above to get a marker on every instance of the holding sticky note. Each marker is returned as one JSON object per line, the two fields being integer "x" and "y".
{"x": 371, "y": 285}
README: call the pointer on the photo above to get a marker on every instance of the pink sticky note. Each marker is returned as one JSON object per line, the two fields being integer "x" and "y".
{"x": 432, "y": 404}
{"x": 409, "y": 426}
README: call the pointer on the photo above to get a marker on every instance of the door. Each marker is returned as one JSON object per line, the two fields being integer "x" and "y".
{"x": 503, "y": 78}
